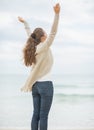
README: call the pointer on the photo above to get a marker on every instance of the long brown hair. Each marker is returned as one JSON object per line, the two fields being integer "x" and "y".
{"x": 29, "y": 51}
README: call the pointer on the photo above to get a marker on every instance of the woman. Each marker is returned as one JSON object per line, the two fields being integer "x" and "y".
{"x": 37, "y": 54}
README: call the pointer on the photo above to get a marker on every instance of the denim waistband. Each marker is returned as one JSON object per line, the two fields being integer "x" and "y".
{"x": 43, "y": 82}
{"x": 48, "y": 81}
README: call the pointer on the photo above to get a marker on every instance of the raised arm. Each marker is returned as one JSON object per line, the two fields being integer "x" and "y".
{"x": 53, "y": 31}
{"x": 55, "y": 25}
{"x": 27, "y": 28}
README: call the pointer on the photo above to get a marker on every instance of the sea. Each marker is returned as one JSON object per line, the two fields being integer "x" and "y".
{"x": 72, "y": 106}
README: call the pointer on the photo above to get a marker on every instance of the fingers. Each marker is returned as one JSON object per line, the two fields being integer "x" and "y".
{"x": 20, "y": 19}
{"x": 57, "y": 8}
{"x": 57, "y": 5}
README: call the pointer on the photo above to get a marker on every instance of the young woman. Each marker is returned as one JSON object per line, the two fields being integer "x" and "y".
{"x": 37, "y": 54}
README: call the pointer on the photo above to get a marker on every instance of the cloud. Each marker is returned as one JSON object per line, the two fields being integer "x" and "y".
{"x": 10, "y": 51}
{"x": 5, "y": 20}
{"x": 73, "y": 60}
{"x": 77, "y": 36}
{"x": 77, "y": 12}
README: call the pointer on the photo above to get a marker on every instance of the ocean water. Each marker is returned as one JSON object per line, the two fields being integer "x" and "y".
{"x": 72, "y": 107}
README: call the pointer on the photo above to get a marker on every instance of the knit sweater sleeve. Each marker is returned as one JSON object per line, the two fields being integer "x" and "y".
{"x": 27, "y": 28}
{"x": 51, "y": 36}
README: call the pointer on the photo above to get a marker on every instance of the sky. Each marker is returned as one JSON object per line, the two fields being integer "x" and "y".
{"x": 73, "y": 47}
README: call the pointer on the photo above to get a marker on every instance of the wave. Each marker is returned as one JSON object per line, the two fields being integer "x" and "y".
{"x": 74, "y": 95}
{"x": 69, "y": 91}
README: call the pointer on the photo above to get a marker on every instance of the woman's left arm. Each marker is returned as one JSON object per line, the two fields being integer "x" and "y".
{"x": 27, "y": 28}
{"x": 53, "y": 31}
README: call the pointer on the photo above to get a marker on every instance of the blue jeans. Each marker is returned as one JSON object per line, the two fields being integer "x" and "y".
{"x": 42, "y": 92}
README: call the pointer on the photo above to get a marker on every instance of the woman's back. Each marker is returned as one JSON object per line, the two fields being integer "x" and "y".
{"x": 44, "y": 58}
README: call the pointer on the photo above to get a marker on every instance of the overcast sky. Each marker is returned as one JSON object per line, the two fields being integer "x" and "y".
{"x": 73, "y": 47}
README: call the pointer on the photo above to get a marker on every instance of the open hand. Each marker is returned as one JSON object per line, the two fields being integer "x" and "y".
{"x": 57, "y": 8}
{"x": 21, "y": 19}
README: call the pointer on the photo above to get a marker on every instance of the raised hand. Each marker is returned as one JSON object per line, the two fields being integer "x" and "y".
{"x": 21, "y": 19}
{"x": 57, "y": 8}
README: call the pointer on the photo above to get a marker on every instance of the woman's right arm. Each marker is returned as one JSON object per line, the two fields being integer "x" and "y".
{"x": 27, "y": 28}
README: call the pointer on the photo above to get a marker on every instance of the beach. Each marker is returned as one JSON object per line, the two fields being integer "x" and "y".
{"x": 72, "y": 72}
{"x": 72, "y": 107}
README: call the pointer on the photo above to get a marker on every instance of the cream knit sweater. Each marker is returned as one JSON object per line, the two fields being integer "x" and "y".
{"x": 44, "y": 58}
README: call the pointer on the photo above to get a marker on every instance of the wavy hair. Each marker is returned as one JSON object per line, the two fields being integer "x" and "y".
{"x": 29, "y": 51}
